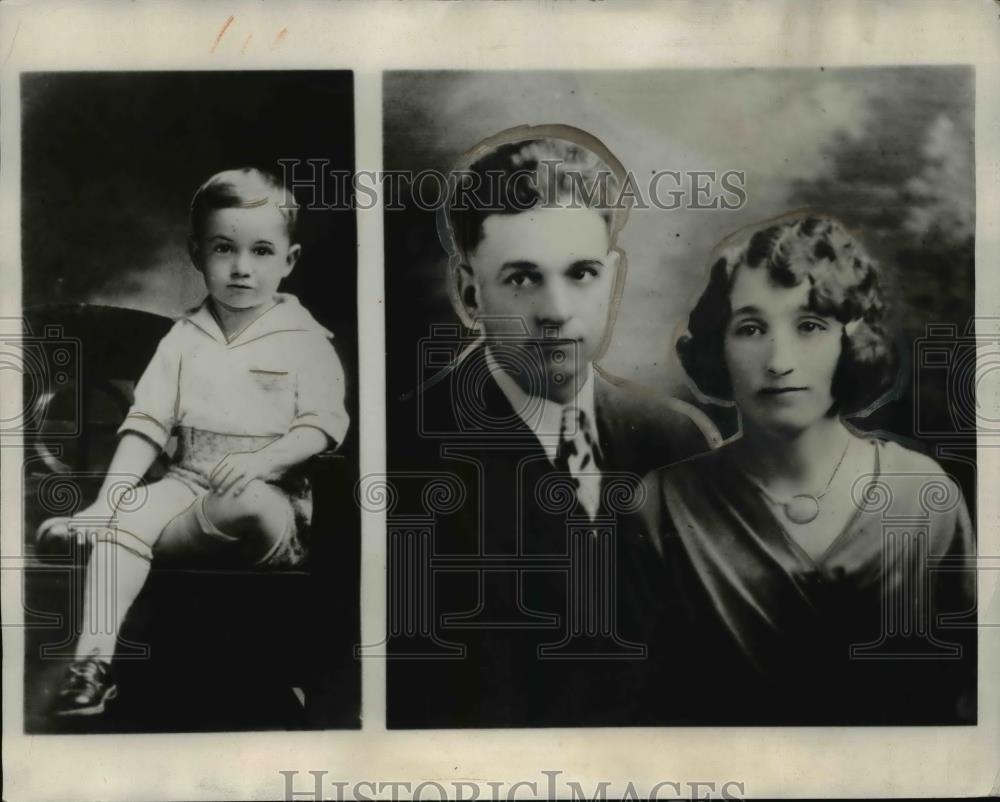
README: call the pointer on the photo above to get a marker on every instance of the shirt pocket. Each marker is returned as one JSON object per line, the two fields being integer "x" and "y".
{"x": 275, "y": 392}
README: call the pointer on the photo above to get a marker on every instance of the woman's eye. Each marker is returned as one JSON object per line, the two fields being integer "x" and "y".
{"x": 811, "y": 326}
{"x": 748, "y": 330}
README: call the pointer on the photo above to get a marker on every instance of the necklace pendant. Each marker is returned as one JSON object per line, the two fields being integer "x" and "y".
{"x": 802, "y": 509}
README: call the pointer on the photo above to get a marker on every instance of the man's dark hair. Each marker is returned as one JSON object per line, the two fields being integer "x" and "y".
{"x": 518, "y": 176}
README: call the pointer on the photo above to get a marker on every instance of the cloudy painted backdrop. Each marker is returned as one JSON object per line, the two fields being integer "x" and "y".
{"x": 890, "y": 150}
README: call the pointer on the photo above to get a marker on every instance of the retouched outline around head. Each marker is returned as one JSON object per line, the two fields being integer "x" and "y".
{"x": 520, "y": 153}
{"x": 799, "y": 246}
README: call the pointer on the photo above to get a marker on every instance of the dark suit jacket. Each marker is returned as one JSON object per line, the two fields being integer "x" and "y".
{"x": 527, "y": 616}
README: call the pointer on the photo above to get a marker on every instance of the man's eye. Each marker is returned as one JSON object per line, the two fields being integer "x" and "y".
{"x": 522, "y": 280}
{"x": 583, "y": 273}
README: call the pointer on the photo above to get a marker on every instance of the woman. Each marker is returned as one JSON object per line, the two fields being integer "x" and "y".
{"x": 801, "y": 552}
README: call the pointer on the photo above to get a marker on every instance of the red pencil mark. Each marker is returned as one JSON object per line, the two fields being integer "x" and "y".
{"x": 244, "y": 48}
{"x": 10, "y": 51}
{"x": 279, "y": 38}
{"x": 225, "y": 27}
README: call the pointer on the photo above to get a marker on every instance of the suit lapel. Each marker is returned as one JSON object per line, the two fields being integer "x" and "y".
{"x": 612, "y": 432}
{"x": 496, "y": 407}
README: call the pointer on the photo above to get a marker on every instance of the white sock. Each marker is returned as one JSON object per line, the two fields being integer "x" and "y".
{"x": 115, "y": 575}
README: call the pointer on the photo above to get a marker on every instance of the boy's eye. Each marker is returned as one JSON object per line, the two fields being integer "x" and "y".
{"x": 262, "y": 250}
{"x": 222, "y": 247}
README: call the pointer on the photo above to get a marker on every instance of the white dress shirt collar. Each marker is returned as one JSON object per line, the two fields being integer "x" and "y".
{"x": 542, "y": 416}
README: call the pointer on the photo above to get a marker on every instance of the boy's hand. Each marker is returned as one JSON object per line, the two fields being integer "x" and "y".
{"x": 98, "y": 515}
{"x": 235, "y": 471}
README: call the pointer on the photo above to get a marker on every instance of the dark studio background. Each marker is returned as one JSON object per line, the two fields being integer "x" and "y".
{"x": 110, "y": 162}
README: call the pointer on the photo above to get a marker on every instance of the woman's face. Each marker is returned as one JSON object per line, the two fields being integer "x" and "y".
{"x": 780, "y": 354}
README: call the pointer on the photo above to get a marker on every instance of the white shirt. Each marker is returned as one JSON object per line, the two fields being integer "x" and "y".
{"x": 542, "y": 416}
{"x": 278, "y": 373}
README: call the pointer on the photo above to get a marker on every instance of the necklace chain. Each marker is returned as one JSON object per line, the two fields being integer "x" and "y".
{"x": 786, "y": 504}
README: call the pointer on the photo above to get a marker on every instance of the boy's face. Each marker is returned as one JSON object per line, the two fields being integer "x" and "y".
{"x": 244, "y": 254}
{"x": 542, "y": 282}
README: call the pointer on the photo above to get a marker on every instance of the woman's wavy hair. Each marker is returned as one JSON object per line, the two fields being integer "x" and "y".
{"x": 844, "y": 285}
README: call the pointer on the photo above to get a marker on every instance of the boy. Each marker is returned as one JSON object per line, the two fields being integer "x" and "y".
{"x": 521, "y": 416}
{"x": 251, "y": 387}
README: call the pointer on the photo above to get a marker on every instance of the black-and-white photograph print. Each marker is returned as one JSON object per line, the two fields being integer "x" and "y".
{"x": 681, "y": 397}
{"x": 191, "y": 403}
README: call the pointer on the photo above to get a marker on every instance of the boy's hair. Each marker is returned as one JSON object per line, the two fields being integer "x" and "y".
{"x": 843, "y": 284}
{"x": 243, "y": 188}
{"x": 540, "y": 171}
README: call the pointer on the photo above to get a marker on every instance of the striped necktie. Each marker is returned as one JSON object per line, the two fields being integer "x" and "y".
{"x": 579, "y": 455}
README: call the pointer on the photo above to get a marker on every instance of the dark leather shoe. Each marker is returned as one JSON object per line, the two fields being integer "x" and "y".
{"x": 87, "y": 687}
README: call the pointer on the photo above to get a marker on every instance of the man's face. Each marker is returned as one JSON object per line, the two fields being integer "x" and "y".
{"x": 543, "y": 280}
{"x": 244, "y": 254}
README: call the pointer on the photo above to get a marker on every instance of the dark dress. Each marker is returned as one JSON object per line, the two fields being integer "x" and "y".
{"x": 879, "y": 629}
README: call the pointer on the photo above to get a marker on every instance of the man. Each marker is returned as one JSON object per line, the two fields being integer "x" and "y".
{"x": 522, "y": 583}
